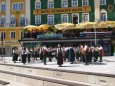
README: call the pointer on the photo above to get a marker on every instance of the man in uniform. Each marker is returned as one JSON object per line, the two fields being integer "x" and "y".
{"x": 44, "y": 50}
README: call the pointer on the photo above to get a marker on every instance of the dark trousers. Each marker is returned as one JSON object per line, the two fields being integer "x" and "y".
{"x": 90, "y": 56}
{"x": 28, "y": 56}
{"x": 24, "y": 58}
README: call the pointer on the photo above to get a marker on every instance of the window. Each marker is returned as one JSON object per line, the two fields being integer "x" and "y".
{"x": 38, "y": 19}
{"x": 85, "y": 3}
{"x": 17, "y": 6}
{"x": 2, "y": 51}
{"x": 85, "y": 17}
{"x": 64, "y": 3}
{"x": 50, "y": 4}
{"x": 38, "y": 5}
{"x": 22, "y": 21}
{"x": 103, "y": 16}
{"x": 13, "y": 21}
{"x": 12, "y": 34}
{"x": 64, "y": 18}
{"x": 102, "y": 2}
{"x": 21, "y": 34}
{"x": 3, "y": 7}
{"x": 3, "y": 34}
{"x": 74, "y": 3}
{"x": 51, "y": 19}
{"x": 75, "y": 18}
{"x": 3, "y": 21}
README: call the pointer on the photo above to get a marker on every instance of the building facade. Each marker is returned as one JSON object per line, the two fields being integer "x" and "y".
{"x": 74, "y": 11}
{"x": 10, "y": 37}
{"x": 14, "y": 15}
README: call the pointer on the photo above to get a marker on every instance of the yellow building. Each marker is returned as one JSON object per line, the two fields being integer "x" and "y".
{"x": 10, "y": 39}
{"x": 14, "y": 15}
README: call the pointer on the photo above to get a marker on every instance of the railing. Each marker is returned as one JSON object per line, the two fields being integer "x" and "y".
{"x": 98, "y": 34}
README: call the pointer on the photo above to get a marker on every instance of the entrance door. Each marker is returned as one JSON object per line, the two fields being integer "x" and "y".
{"x": 75, "y": 18}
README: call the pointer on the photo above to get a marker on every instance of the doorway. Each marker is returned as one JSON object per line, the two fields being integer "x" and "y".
{"x": 75, "y": 18}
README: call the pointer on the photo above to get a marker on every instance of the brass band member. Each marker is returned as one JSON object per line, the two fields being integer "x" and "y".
{"x": 59, "y": 56}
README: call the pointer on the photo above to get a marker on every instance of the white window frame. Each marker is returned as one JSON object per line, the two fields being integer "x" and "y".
{"x": 4, "y": 7}
{"x": 85, "y": 3}
{"x": 102, "y": 2}
{"x": 49, "y": 4}
{"x": 14, "y": 35}
{"x": 22, "y": 17}
{"x": 73, "y": 5}
{"x": 2, "y": 21}
{"x": 62, "y": 17}
{"x": 39, "y": 18}
{"x": 83, "y": 20}
{"x": 36, "y": 6}
{"x": 62, "y": 2}
{"x": 18, "y": 8}
{"x": 77, "y": 15}
{"x": 48, "y": 19}
{"x": 4, "y": 34}
{"x": 14, "y": 21}
{"x": 105, "y": 15}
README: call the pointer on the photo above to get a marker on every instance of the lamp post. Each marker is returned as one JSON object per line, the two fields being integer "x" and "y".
{"x": 2, "y": 43}
{"x": 95, "y": 35}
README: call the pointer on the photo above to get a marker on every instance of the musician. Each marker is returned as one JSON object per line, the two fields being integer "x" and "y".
{"x": 24, "y": 55}
{"x": 59, "y": 56}
{"x": 44, "y": 51}
{"x": 15, "y": 54}
{"x": 86, "y": 54}
{"x": 100, "y": 48}
{"x": 96, "y": 53}
{"x": 71, "y": 55}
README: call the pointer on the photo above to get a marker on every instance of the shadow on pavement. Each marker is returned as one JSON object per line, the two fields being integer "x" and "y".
{"x": 98, "y": 63}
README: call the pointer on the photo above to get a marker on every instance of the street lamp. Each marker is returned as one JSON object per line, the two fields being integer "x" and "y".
{"x": 95, "y": 35}
{"x": 2, "y": 43}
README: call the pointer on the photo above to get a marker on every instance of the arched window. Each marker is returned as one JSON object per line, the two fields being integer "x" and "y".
{"x": 3, "y": 6}
{"x": 3, "y": 20}
{"x": 12, "y": 21}
{"x": 103, "y": 15}
{"x": 22, "y": 20}
{"x": 37, "y": 4}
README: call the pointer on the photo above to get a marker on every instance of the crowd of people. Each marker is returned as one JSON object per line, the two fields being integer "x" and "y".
{"x": 79, "y": 53}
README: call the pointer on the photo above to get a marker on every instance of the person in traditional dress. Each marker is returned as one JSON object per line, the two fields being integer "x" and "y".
{"x": 24, "y": 55}
{"x": 15, "y": 54}
{"x": 45, "y": 51}
{"x": 77, "y": 52}
{"x": 90, "y": 53}
{"x": 86, "y": 54}
{"x": 71, "y": 55}
{"x": 81, "y": 53}
{"x": 100, "y": 48}
{"x": 96, "y": 53}
{"x": 28, "y": 52}
{"x": 59, "y": 56}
